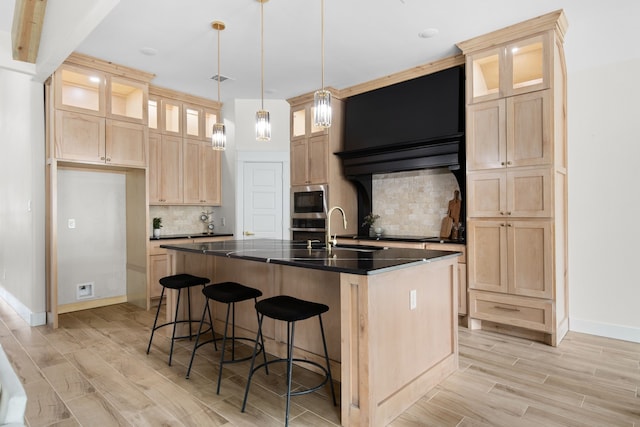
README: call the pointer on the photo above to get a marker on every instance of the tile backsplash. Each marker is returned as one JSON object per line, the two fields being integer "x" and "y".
{"x": 413, "y": 203}
{"x": 180, "y": 219}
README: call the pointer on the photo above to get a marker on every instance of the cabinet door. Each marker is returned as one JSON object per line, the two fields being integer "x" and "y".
{"x": 530, "y": 258}
{"x": 318, "y": 156}
{"x": 299, "y": 162}
{"x": 193, "y": 121}
{"x": 485, "y": 69}
{"x": 191, "y": 171}
{"x": 529, "y": 192}
{"x": 81, "y": 90}
{"x": 154, "y": 170}
{"x": 126, "y": 143}
{"x": 127, "y": 100}
{"x": 171, "y": 117}
{"x": 487, "y": 194}
{"x": 170, "y": 173}
{"x": 158, "y": 268}
{"x": 211, "y": 176}
{"x": 486, "y": 135}
{"x": 527, "y": 65}
{"x": 462, "y": 289}
{"x": 487, "y": 255}
{"x": 79, "y": 137}
{"x": 529, "y": 129}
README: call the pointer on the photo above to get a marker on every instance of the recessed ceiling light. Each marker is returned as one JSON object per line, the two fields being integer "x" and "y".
{"x": 149, "y": 51}
{"x": 428, "y": 33}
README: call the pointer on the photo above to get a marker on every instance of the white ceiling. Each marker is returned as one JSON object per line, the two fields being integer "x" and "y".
{"x": 364, "y": 39}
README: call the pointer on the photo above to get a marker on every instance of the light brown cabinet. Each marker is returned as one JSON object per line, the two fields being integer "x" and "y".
{"x": 100, "y": 117}
{"x": 510, "y": 69}
{"x": 313, "y": 160}
{"x": 165, "y": 169}
{"x": 201, "y": 173}
{"x": 513, "y": 257}
{"x": 187, "y": 171}
{"x": 519, "y": 192}
{"x": 91, "y": 139}
{"x": 517, "y": 179}
{"x": 309, "y": 159}
{"x": 510, "y": 132}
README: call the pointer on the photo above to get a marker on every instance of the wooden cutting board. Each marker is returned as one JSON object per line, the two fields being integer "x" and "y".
{"x": 445, "y": 231}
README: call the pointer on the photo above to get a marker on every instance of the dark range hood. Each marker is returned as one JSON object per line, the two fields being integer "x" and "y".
{"x": 416, "y": 124}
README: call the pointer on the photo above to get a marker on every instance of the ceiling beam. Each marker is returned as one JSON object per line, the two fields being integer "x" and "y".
{"x": 28, "y": 17}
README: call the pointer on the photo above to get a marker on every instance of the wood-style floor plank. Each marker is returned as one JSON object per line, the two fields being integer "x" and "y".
{"x": 94, "y": 370}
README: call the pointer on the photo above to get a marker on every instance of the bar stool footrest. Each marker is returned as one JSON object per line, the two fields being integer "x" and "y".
{"x": 193, "y": 335}
{"x": 309, "y": 362}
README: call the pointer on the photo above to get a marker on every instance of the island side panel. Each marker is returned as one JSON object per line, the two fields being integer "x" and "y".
{"x": 401, "y": 353}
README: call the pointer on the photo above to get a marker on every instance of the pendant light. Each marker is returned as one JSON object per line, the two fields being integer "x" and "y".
{"x": 263, "y": 124}
{"x": 322, "y": 97}
{"x": 218, "y": 135}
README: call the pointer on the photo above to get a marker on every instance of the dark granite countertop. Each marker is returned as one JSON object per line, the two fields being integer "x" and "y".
{"x": 190, "y": 236}
{"x": 344, "y": 259}
{"x": 391, "y": 238}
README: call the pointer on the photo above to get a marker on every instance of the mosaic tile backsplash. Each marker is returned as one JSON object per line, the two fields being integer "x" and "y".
{"x": 413, "y": 203}
{"x": 180, "y": 219}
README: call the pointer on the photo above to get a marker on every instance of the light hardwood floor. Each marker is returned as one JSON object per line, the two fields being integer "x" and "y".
{"x": 93, "y": 371}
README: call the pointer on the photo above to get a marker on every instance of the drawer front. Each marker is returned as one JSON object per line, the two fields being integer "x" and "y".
{"x": 462, "y": 259}
{"x": 512, "y": 310}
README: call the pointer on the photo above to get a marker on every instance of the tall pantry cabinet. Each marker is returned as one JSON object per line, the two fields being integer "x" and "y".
{"x": 96, "y": 116}
{"x": 517, "y": 179}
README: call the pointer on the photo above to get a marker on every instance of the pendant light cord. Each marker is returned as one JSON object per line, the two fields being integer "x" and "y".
{"x": 262, "y": 54}
{"x": 218, "y": 65}
{"x": 322, "y": 38}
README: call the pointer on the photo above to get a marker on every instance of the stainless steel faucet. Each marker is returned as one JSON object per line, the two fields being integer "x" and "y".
{"x": 328, "y": 240}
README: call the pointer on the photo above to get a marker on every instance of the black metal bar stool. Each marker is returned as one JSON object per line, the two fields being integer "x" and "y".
{"x": 228, "y": 293}
{"x": 179, "y": 282}
{"x": 291, "y": 310}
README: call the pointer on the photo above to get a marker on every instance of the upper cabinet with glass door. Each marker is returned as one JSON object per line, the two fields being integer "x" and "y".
{"x": 91, "y": 91}
{"x": 510, "y": 69}
{"x": 81, "y": 90}
{"x": 302, "y": 125}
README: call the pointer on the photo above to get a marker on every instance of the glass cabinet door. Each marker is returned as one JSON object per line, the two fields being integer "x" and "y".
{"x": 528, "y": 64}
{"x": 485, "y": 69}
{"x": 80, "y": 90}
{"x": 298, "y": 123}
{"x": 210, "y": 119}
{"x": 127, "y": 100}
{"x": 171, "y": 121}
{"x": 193, "y": 122}
{"x": 154, "y": 113}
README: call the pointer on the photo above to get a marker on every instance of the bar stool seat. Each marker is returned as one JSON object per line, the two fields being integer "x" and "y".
{"x": 179, "y": 282}
{"x": 227, "y": 293}
{"x": 291, "y": 310}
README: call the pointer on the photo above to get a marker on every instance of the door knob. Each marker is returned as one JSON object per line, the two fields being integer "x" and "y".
{"x": 249, "y": 233}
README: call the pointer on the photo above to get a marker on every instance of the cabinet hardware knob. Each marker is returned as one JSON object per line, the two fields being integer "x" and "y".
{"x": 509, "y": 162}
{"x": 508, "y": 213}
{"x": 502, "y": 225}
{"x": 102, "y": 158}
{"x": 509, "y": 225}
{"x": 501, "y": 163}
{"x": 501, "y": 213}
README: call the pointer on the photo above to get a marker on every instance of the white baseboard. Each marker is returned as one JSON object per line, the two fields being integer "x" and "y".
{"x": 33, "y": 319}
{"x": 620, "y": 332}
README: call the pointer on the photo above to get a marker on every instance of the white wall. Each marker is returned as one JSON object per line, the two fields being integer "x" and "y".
{"x": 95, "y": 251}
{"x": 604, "y": 200}
{"x": 22, "y": 189}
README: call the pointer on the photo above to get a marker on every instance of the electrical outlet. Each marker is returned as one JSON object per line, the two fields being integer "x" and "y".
{"x": 414, "y": 301}
{"x": 71, "y": 223}
{"x": 224, "y": 221}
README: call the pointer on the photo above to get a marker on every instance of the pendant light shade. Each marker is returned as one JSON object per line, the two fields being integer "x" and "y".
{"x": 263, "y": 124}
{"x": 218, "y": 134}
{"x": 322, "y": 97}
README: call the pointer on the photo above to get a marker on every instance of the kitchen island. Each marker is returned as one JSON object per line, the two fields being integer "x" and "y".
{"x": 392, "y": 320}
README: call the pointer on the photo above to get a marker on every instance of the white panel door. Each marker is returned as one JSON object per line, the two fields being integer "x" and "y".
{"x": 263, "y": 208}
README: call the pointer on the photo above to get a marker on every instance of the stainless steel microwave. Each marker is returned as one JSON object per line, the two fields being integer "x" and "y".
{"x": 309, "y": 201}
